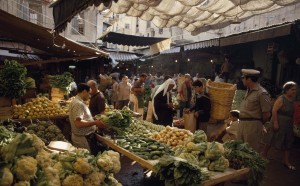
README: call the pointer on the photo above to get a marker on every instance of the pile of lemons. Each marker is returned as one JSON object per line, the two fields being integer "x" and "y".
{"x": 40, "y": 107}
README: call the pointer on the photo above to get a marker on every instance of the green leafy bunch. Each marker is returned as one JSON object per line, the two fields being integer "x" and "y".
{"x": 242, "y": 155}
{"x": 13, "y": 79}
{"x": 117, "y": 119}
{"x": 176, "y": 171}
{"x": 62, "y": 81}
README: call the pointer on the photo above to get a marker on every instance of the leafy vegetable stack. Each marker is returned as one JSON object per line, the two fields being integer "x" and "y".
{"x": 240, "y": 155}
{"x": 62, "y": 82}
{"x": 116, "y": 119}
{"x": 177, "y": 171}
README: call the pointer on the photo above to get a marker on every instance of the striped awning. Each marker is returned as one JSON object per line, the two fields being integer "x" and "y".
{"x": 171, "y": 50}
{"x": 202, "y": 44}
{"x": 122, "y": 56}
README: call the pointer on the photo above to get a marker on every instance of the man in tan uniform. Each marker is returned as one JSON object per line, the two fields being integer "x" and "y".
{"x": 255, "y": 109}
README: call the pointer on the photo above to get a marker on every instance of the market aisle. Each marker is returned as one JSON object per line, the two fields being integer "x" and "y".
{"x": 132, "y": 174}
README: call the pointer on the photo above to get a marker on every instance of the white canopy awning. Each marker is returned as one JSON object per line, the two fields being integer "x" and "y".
{"x": 194, "y": 14}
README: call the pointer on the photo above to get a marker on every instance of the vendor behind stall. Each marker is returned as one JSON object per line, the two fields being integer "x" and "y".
{"x": 163, "y": 108}
{"x": 97, "y": 100}
{"x": 83, "y": 125}
{"x": 202, "y": 107}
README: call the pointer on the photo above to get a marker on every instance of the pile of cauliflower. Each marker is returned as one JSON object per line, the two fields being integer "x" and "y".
{"x": 27, "y": 163}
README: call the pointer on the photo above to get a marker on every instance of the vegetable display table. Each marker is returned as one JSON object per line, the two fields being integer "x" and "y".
{"x": 216, "y": 177}
{"x": 62, "y": 122}
{"x": 229, "y": 174}
{"x": 149, "y": 164}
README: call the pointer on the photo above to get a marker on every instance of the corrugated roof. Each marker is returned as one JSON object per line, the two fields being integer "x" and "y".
{"x": 43, "y": 39}
{"x": 202, "y": 44}
{"x": 65, "y": 10}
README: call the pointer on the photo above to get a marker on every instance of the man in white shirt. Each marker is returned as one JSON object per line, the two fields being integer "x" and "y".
{"x": 82, "y": 122}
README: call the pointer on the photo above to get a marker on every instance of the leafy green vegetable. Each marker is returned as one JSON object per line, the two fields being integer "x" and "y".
{"x": 199, "y": 136}
{"x": 62, "y": 81}
{"x": 177, "y": 171}
{"x": 117, "y": 119}
{"x": 12, "y": 79}
{"x": 241, "y": 155}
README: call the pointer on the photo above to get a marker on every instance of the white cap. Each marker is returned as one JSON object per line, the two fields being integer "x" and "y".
{"x": 250, "y": 72}
{"x": 188, "y": 75}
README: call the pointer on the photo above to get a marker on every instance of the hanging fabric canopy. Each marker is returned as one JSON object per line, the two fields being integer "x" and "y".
{"x": 190, "y": 15}
{"x": 195, "y": 14}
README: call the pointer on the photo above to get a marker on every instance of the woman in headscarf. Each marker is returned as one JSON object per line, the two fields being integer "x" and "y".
{"x": 163, "y": 108}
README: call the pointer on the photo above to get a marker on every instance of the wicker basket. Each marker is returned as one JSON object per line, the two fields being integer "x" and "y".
{"x": 221, "y": 96}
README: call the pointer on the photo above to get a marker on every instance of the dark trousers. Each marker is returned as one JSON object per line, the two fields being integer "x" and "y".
{"x": 95, "y": 145}
{"x": 183, "y": 105}
{"x": 123, "y": 103}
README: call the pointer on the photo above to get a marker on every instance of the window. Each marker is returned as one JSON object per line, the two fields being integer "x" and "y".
{"x": 152, "y": 33}
{"x": 148, "y": 24}
{"x": 127, "y": 26}
{"x": 36, "y": 14}
{"x": 161, "y": 31}
{"x": 78, "y": 24}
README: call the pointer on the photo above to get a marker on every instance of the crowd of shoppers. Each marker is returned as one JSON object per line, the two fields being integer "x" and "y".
{"x": 246, "y": 124}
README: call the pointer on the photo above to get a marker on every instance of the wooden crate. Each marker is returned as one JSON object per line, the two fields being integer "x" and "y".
{"x": 5, "y": 113}
{"x": 5, "y": 102}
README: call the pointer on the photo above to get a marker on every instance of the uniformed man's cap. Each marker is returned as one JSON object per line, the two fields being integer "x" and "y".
{"x": 250, "y": 72}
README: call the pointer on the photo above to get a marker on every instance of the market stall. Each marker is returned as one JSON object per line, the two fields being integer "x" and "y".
{"x": 216, "y": 177}
{"x": 167, "y": 149}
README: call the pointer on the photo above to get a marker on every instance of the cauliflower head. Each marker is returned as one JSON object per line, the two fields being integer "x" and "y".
{"x": 44, "y": 159}
{"x": 82, "y": 166}
{"x": 26, "y": 167}
{"x": 109, "y": 161}
{"x": 59, "y": 168}
{"x": 94, "y": 179}
{"x": 7, "y": 177}
{"x": 73, "y": 180}
{"x": 37, "y": 142}
{"x": 105, "y": 163}
{"x": 52, "y": 175}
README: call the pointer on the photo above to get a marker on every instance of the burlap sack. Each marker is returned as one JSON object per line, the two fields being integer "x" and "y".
{"x": 189, "y": 121}
{"x": 149, "y": 112}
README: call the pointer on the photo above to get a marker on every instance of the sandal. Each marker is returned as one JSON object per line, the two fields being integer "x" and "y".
{"x": 291, "y": 167}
